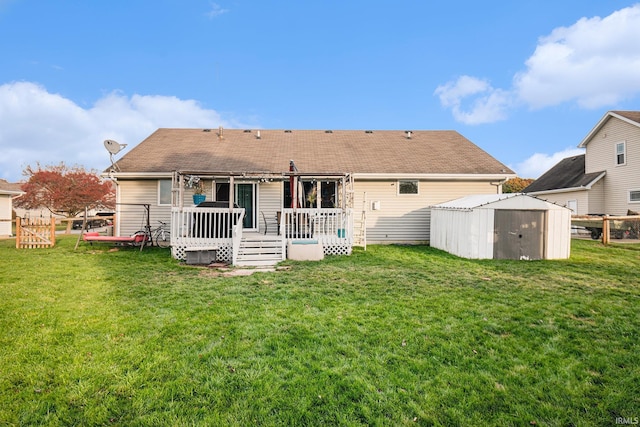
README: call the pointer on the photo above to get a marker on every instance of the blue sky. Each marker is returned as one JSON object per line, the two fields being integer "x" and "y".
{"x": 524, "y": 80}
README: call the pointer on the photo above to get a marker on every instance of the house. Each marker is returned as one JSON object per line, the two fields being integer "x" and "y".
{"x": 331, "y": 187}
{"x": 8, "y": 191}
{"x": 604, "y": 180}
{"x": 502, "y": 226}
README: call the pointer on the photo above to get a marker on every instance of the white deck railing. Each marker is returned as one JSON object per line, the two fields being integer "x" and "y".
{"x": 237, "y": 238}
{"x": 198, "y": 227}
{"x": 193, "y": 227}
{"x": 329, "y": 226}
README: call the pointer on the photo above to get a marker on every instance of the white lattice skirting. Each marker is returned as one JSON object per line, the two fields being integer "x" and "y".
{"x": 337, "y": 250}
{"x": 223, "y": 254}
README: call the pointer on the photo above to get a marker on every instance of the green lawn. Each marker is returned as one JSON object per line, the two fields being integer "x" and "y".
{"x": 396, "y": 335}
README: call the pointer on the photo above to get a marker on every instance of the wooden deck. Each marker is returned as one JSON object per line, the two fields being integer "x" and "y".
{"x": 193, "y": 227}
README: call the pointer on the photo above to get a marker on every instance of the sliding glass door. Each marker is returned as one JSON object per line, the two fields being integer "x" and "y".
{"x": 245, "y": 197}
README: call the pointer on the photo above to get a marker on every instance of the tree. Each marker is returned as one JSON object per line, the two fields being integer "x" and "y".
{"x": 516, "y": 185}
{"x": 65, "y": 190}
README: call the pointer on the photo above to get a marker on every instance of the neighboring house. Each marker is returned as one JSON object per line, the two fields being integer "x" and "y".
{"x": 8, "y": 191}
{"x": 350, "y": 185}
{"x": 604, "y": 180}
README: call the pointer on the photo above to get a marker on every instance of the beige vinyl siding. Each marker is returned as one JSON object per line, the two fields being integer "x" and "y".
{"x": 269, "y": 203}
{"x": 597, "y": 204}
{"x": 405, "y": 218}
{"x": 582, "y": 201}
{"x": 132, "y": 218}
{"x": 601, "y": 155}
{"x": 581, "y": 197}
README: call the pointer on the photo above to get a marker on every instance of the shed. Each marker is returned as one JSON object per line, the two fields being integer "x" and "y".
{"x": 502, "y": 226}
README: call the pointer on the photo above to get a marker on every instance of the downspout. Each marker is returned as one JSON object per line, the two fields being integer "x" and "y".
{"x": 498, "y": 185}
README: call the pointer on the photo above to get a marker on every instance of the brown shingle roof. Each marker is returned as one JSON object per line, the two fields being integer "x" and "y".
{"x": 317, "y": 151}
{"x": 631, "y": 115}
{"x": 10, "y": 187}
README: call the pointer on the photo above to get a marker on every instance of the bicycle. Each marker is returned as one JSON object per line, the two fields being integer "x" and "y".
{"x": 158, "y": 236}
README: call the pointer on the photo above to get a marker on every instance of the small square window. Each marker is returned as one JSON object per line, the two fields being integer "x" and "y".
{"x": 408, "y": 187}
{"x": 634, "y": 196}
{"x": 164, "y": 192}
{"x": 621, "y": 153}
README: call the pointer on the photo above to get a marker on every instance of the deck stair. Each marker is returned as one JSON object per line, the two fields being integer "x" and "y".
{"x": 257, "y": 250}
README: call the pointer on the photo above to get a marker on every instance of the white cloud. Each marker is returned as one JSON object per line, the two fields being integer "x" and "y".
{"x": 38, "y": 126}
{"x": 216, "y": 10}
{"x": 539, "y": 163}
{"x": 485, "y": 104}
{"x": 594, "y": 63}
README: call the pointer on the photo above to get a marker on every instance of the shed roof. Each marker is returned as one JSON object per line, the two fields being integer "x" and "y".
{"x": 337, "y": 151}
{"x": 481, "y": 200}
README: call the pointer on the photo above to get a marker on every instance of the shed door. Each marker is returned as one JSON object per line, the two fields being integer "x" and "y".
{"x": 518, "y": 234}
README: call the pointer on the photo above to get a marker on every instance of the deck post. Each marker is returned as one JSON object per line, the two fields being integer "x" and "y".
{"x": 231, "y": 193}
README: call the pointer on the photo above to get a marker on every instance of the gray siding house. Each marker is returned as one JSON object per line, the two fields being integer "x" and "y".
{"x": 351, "y": 186}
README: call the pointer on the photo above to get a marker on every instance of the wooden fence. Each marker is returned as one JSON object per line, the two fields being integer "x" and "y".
{"x": 605, "y": 227}
{"x": 35, "y": 233}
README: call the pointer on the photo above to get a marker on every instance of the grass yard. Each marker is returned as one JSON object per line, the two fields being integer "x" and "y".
{"x": 396, "y": 335}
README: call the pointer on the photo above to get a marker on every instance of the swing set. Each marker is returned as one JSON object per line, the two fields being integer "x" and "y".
{"x": 139, "y": 238}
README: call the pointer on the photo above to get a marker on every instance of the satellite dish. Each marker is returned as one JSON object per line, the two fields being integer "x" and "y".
{"x": 113, "y": 147}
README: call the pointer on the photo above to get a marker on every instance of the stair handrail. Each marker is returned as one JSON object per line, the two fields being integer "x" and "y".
{"x": 237, "y": 237}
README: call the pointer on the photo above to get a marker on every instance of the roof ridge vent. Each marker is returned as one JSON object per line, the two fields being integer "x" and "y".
{"x": 247, "y": 131}
{"x": 206, "y": 130}
{"x": 287, "y": 131}
{"x": 328, "y": 131}
{"x": 368, "y": 131}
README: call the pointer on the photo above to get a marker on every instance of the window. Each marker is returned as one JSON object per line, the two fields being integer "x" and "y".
{"x": 407, "y": 187}
{"x": 222, "y": 191}
{"x": 621, "y": 153}
{"x": 634, "y": 196}
{"x": 307, "y": 194}
{"x": 164, "y": 192}
{"x": 328, "y": 191}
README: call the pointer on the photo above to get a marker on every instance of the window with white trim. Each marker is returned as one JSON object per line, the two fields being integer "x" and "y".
{"x": 621, "y": 153}
{"x": 408, "y": 187}
{"x": 634, "y": 196}
{"x": 164, "y": 192}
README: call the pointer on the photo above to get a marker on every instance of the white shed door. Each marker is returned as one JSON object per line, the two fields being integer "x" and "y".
{"x": 518, "y": 234}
